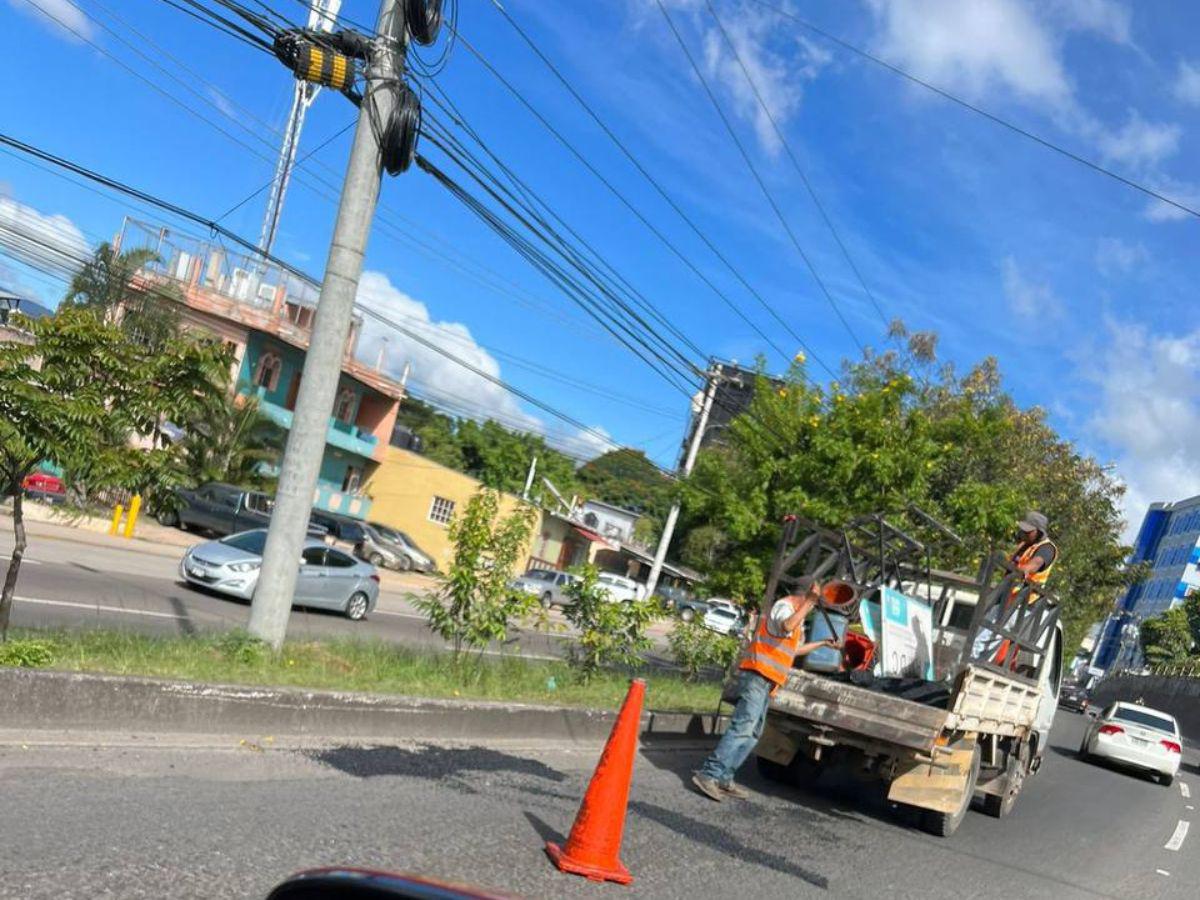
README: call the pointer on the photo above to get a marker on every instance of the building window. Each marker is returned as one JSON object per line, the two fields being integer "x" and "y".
{"x": 350, "y": 482}
{"x": 441, "y": 510}
{"x": 343, "y": 409}
{"x": 269, "y": 367}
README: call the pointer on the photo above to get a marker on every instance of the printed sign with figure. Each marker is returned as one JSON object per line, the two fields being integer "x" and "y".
{"x": 907, "y": 637}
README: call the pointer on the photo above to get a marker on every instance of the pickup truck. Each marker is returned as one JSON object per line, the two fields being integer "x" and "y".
{"x": 978, "y": 726}
{"x": 223, "y": 509}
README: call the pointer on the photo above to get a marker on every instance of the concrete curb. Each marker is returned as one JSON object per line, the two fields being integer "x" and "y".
{"x": 50, "y": 700}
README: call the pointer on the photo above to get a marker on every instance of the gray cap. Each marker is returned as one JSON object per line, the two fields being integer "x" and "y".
{"x": 1034, "y": 521}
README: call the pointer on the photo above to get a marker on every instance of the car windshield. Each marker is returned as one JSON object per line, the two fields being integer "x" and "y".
{"x": 540, "y": 575}
{"x": 250, "y": 541}
{"x": 722, "y": 613}
{"x": 1145, "y": 719}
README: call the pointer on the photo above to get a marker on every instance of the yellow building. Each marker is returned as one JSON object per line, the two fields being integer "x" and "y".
{"x": 415, "y": 495}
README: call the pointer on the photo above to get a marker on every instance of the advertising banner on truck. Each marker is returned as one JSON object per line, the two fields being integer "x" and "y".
{"x": 907, "y": 636}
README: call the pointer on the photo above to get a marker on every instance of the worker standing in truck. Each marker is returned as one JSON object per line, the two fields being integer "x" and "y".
{"x": 777, "y": 640}
{"x": 1034, "y": 559}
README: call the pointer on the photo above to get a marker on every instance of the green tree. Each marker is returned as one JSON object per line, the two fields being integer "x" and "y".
{"x": 1167, "y": 638}
{"x": 79, "y": 395}
{"x": 610, "y": 633}
{"x": 475, "y": 605}
{"x": 234, "y": 445}
{"x": 625, "y": 477}
{"x": 108, "y": 284}
{"x": 898, "y": 427}
{"x": 696, "y": 648}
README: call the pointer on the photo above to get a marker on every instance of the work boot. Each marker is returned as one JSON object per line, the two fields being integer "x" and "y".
{"x": 733, "y": 790}
{"x": 708, "y": 787}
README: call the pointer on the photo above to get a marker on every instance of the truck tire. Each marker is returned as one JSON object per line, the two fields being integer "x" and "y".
{"x": 687, "y": 614}
{"x": 167, "y": 518}
{"x": 1000, "y": 805}
{"x": 945, "y": 824}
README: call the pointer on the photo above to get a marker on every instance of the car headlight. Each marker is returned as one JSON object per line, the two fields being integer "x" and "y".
{"x": 245, "y": 567}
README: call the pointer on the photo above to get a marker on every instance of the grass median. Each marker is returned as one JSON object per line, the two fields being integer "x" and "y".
{"x": 345, "y": 665}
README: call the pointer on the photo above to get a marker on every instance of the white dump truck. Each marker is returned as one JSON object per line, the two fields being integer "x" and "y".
{"x": 950, "y": 691}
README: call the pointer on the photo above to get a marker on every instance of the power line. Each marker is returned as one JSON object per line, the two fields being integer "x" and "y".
{"x": 661, "y": 191}
{"x": 978, "y": 110}
{"x": 757, "y": 177}
{"x": 795, "y": 162}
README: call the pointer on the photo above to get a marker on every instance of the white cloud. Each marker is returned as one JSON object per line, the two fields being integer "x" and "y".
{"x": 1187, "y": 83}
{"x": 1139, "y": 143}
{"x": 1179, "y": 191}
{"x": 476, "y": 395}
{"x": 1107, "y": 18}
{"x": 1115, "y": 256}
{"x": 974, "y": 47}
{"x": 1149, "y": 413}
{"x": 43, "y": 242}
{"x": 1028, "y": 299}
{"x": 70, "y": 17}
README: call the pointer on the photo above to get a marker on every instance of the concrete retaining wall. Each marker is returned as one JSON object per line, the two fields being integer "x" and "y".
{"x": 1178, "y": 696}
{"x": 36, "y": 699}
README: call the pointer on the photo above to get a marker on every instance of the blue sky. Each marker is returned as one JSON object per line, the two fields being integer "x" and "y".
{"x": 1080, "y": 286}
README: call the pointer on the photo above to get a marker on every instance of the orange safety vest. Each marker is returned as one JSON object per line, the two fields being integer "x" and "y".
{"x": 1024, "y": 556}
{"x": 771, "y": 656}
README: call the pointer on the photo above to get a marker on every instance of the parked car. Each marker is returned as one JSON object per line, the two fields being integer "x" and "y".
{"x": 340, "y": 528}
{"x": 1074, "y": 698}
{"x": 394, "y": 549}
{"x": 328, "y": 579}
{"x": 546, "y": 584}
{"x": 690, "y": 607}
{"x": 1137, "y": 737}
{"x": 44, "y": 488}
{"x": 223, "y": 509}
{"x": 672, "y": 595}
{"x": 724, "y": 620}
{"x": 620, "y": 588}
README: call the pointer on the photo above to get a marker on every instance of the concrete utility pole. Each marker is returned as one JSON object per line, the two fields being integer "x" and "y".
{"x": 689, "y": 460}
{"x": 272, "y": 604}
{"x": 529, "y": 478}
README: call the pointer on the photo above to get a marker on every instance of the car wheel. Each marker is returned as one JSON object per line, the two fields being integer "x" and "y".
{"x": 1083, "y": 751}
{"x": 1166, "y": 779}
{"x": 403, "y": 563}
{"x": 376, "y": 560}
{"x": 944, "y": 824}
{"x": 356, "y": 606}
{"x": 167, "y": 518}
{"x": 547, "y": 600}
{"x": 687, "y": 615}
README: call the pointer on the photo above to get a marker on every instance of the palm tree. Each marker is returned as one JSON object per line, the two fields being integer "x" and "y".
{"x": 238, "y": 444}
{"x": 105, "y": 284}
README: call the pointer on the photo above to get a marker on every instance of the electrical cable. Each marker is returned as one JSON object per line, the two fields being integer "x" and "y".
{"x": 978, "y": 110}
{"x": 757, "y": 177}
{"x": 795, "y": 162}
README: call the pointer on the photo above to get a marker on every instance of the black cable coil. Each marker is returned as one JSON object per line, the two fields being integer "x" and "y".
{"x": 399, "y": 140}
{"x": 424, "y": 20}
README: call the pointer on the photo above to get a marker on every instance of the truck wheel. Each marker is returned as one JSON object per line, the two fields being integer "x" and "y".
{"x": 945, "y": 824}
{"x": 1000, "y": 805}
{"x": 167, "y": 518}
{"x": 687, "y": 615}
{"x": 547, "y": 600}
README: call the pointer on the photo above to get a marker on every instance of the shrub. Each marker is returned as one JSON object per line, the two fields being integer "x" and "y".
{"x": 695, "y": 648}
{"x": 610, "y": 633}
{"x": 240, "y": 647}
{"x": 27, "y": 654}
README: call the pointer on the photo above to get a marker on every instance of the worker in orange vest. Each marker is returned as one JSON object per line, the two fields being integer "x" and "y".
{"x": 777, "y": 641}
{"x": 1034, "y": 559}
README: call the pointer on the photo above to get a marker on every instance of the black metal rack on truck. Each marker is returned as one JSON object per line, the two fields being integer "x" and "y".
{"x": 972, "y": 719}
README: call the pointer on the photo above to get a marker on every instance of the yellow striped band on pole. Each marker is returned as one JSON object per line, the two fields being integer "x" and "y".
{"x": 322, "y": 66}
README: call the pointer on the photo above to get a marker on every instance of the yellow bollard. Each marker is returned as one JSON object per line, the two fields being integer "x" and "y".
{"x": 118, "y": 511}
{"x": 135, "y": 506}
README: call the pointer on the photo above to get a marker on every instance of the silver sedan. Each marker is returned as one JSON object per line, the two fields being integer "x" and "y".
{"x": 328, "y": 578}
{"x": 1137, "y": 737}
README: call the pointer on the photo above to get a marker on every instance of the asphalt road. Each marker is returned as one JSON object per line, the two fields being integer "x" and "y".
{"x": 74, "y": 585}
{"x": 170, "y": 823}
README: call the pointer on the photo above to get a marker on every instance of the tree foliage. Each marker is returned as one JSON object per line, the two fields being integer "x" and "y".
{"x": 610, "y": 633}
{"x": 475, "y": 605}
{"x": 899, "y": 428}
{"x": 1167, "y": 638}
{"x": 236, "y": 444}
{"x": 696, "y": 648}
{"x": 81, "y": 394}
{"x": 108, "y": 286}
{"x": 627, "y": 478}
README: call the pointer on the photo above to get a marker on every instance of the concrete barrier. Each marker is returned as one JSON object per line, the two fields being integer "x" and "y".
{"x": 1178, "y": 696}
{"x": 49, "y": 700}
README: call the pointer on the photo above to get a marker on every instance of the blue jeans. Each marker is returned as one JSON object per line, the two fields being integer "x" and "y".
{"x": 745, "y": 728}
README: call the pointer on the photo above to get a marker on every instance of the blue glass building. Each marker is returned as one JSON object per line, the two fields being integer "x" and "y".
{"x": 1169, "y": 540}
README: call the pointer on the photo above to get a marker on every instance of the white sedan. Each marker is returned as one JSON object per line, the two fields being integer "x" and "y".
{"x": 1137, "y": 737}
{"x": 724, "y": 618}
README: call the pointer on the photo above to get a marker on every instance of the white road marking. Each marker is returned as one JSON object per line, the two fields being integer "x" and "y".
{"x": 98, "y": 607}
{"x": 1177, "y": 838}
{"x": 1185, "y": 790}
{"x": 1163, "y": 872}
{"x": 1189, "y": 806}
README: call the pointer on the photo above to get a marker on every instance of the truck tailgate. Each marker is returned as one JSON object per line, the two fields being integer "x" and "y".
{"x": 846, "y": 707}
{"x": 994, "y": 703}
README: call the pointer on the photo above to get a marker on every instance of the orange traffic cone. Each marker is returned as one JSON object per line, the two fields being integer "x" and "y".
{"x": 594, "y": 847}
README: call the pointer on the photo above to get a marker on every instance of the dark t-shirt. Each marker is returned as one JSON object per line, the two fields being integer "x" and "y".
{"x": 1046, "y": 553}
